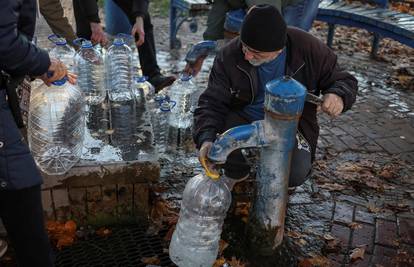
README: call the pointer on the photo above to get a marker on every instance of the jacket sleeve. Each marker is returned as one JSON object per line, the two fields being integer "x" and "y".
{"x": 139, "y": 8}
{"x": 332, "y": 78}
{"x": 213, "y": 105}
{"x": 18, "y": 56}
{"x": 90, "y": 10}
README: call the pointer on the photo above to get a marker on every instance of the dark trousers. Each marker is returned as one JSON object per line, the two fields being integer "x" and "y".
{"x": 147, "y": 52}
{"x": 236, "y": 166}
{"x": 22, "y": 215}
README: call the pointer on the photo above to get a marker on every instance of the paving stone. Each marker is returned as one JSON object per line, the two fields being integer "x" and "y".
{"x": 383, "y": 256}
{"x": 342, "y": 233}
{"x": 406, "y": 229}
{"x": 388, "y": 145}
{"x": 335, "y": 143}
{"x": 343, "y": 212}
{"x": 337, "y": 131}
{"x": 364, "y": 236}
{"x": 351, "y": 130}
{"x": 362, "y": 215}
{"x": 336, "y": 260}
{"x": 386, "y": 233}
{"x": 351, "y": 142}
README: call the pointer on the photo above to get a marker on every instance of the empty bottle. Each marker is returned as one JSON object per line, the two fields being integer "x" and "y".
{"x": 90, "y": 70}
{"x": 56, "y": 126}
{"x": 62, "y": 51}
{"x": 142, "y": 89}
{"x": 118, "y": 60}
{"x": 195, "y": 241}
{"x": 183, "y": 92}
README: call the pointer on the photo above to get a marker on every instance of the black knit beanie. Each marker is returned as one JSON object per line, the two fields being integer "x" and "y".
{"x": 264, "y": 29}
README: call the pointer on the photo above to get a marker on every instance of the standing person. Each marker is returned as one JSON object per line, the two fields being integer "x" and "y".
{"x": 236, "y": 87}
{"x": 86, "y": 12}
{"x": 20, "y": 198}
{"x": 54, "y": 15}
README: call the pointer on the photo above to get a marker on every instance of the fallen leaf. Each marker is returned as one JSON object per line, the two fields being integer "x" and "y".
{"x": 372, "y": 208}
{"x": 357, "y": 253}
{"x": 65, "y": 241}
{"x": 236, "y": 263}
{"x": 317, "y": 261}
{"x": 151, "y": 260}
{"x": 355, "y": 225}
{"x": 219, "y": 262}
{"x": 328, "y": 237}
{"x": 294, "y": 234}
{"x": 222, "y": 246}
{"x": 110, "y": 131}
{"x": 103, "y": 232}
{"x": 300, "y": 242}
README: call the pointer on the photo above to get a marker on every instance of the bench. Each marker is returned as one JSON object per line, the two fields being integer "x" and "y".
{"x": 182, "y": 11}
{"x": 378, "y": 19}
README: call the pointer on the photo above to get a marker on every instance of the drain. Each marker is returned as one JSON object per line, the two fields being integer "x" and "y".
{"x": 126, "y": 246}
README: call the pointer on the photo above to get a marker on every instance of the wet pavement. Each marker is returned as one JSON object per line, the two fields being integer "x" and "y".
{"x": 357, "y": 210}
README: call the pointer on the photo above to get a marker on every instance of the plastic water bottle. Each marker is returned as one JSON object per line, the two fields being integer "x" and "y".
{"x": 62, "y": 51}
{"x": 130, "y": 41}
{"x": 161, "y": 126}
{"x": 90, "y": 70}
{"x": 195, "y": 241}
{"x": 56, "y": 126}
{"x": 183, "y": 92}
{"x": 118, "y": 62}
{"x": 142, "y": 89}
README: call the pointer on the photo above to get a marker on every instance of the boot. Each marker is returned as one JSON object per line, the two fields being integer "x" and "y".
{"x": 160, "y": 81}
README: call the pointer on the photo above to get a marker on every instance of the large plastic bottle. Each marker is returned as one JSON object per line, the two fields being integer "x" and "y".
{"x": 160, "y": 127}
{"x": 195, "y": 241}
{"x": 142, "y": 89}
{"x": 62, "y": 51}
{"x": 56, "y": 126}
{"x": 118, "y": 62}
{"x": 183, "y": 92}
{"x": 90, "y": 70}
{"x": 135, "y": 65}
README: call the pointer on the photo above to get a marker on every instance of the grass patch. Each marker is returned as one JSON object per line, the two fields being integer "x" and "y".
{"x": 159, "y": 8}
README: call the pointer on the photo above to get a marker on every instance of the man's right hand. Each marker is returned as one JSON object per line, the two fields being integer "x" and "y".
{"x": 194, "y": 68}
{"x": 209, "y": 167}
{"x": 98, "y": 35}
{"x": 57, "y": 71}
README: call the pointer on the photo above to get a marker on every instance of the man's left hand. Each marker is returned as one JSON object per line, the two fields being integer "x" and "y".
{"x": 332, "y": 104}
{"x": 138, "y": 28}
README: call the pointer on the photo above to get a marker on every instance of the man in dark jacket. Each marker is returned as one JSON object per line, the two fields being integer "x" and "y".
{"x": 87, "y": 26}
{"x": 235, "y": 92}
{"x": 20, "y": 199}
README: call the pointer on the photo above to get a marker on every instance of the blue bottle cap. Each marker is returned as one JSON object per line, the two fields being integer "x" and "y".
{"x": 61, "y": 81}
{"x": 141, "y": 79}
{"x": 185, "y": 77}
{"x": 119, "y": 42}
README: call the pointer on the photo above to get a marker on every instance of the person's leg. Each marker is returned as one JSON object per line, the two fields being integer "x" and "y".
{"x": 115, "y": 19}
{"x": 302, "y": 14}
{"x": 53, "y": 13}
{"x": 83, "y": 28}
{"x": 215, "y": 20}
{"x": 147, "y": 52}
{"x": 22, "y": 215}
{"x": 301, "y": 164}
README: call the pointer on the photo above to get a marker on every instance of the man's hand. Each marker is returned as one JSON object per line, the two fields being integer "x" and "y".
{"x": 98, "y": 35}
{"x": 332, "y": 104}
{"x": 209, "y": 167}
{"x": 194, "y": 68}
{"x": 138, "y": 28}
{"x": 57, "y": 70}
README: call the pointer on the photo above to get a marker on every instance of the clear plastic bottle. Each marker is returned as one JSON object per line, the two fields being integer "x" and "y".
{"x": 204, "y": 206}
{"x": 90, "y": 70}
{"x": 161, "y": 126}
{"x": 118, "y": 60}
{"x": 56, "y": 126}
{"x": 182, "y": 92}
{"x": 143, "y": 90}
{"x": 130, "y": 41}
{"x": 62, "y": 51}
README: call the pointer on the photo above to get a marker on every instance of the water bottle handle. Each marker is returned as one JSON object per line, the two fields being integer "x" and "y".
{"x": 172, "y": 104}
{"x": 124, "y": 35}
{"x": 53, "y": 37}
{"x": 78, "y": 41}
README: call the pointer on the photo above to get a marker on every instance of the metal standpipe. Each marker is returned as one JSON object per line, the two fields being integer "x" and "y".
{"x": 284, "y": 101}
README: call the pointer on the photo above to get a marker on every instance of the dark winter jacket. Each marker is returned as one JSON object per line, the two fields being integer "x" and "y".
{"x": 18, "y": 57}
{"x": 233, "y": 84}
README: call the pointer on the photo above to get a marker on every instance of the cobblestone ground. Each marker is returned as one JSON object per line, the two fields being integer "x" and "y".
{"x": 360, "y": 199}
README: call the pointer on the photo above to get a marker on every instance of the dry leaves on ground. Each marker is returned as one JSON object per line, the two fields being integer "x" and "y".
{"x": 222, "y": 246}
{"x": 332, "y": 244}
{"x": 151, "y": 260}
{"x": 62, "y": 234}
{"x": 317, "y": 261}
{"x": 161, "y": 212}
{"x": 103, "y": 232}
{"x": 355, "y": 225}
{"x": 332, "y": 186}
{"x": 234, "y": 262}
{"x": 357, "y": 253}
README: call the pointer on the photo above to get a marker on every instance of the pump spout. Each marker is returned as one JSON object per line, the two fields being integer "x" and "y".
{"x": 250, "y": 135}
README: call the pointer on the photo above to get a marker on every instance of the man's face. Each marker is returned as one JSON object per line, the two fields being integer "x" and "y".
{"x": 257, "y": 58}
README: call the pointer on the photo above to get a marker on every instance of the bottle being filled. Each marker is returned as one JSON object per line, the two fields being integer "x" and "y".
{"x": 118, "y": 60}
{"x": 56, "y": 126}
{"x": 90, "y": 70}
{"x": 143, "y": 90}
{"x": 195, "y": 241}
{"x": 161, "y": 127}
{"x": 135, "y": 65}
{"x": 62, "y": 51}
